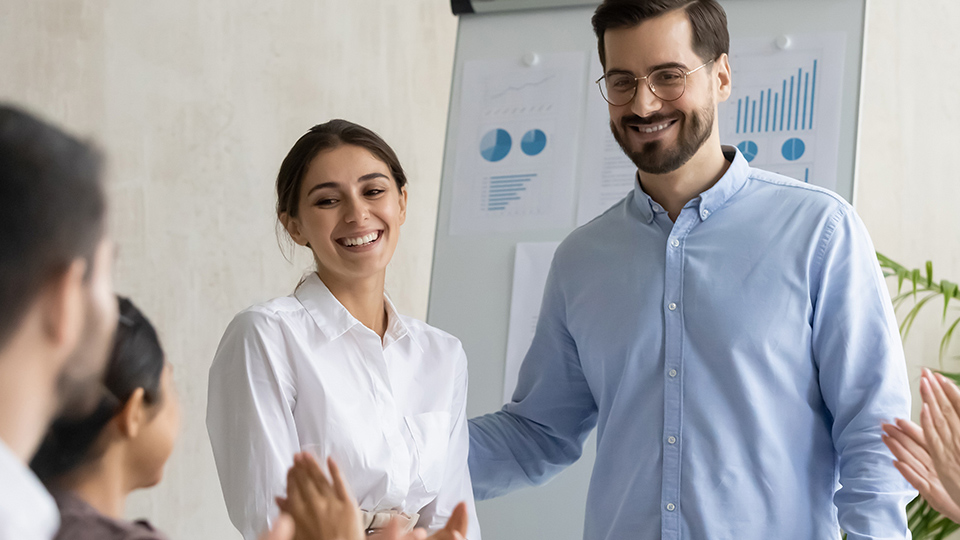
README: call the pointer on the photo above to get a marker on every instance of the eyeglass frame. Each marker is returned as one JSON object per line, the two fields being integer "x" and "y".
{"x": 646, "y": 78}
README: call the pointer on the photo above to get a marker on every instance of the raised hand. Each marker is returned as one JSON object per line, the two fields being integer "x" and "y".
{"x": 322, "y": 509}
{"x": 906, "y": 441}
{"x": 940, "y": 418}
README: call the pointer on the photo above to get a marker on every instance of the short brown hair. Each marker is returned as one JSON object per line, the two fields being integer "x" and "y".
{"x": 322, "y": 137}
{"x": 710, "y": 35}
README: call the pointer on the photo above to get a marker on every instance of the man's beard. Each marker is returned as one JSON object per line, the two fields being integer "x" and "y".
{"x": 653, "y": 157}
{"x": 80, "y": 382}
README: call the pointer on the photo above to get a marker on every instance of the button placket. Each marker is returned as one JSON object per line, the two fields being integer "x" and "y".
{"x": 673, "y": 362}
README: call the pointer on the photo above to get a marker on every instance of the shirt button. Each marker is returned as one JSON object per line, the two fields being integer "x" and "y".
{"x": 704, "y": 214}
{"x": 672, "y": 440}
{"x": 673, "y": 373}
{"x": 671, "y": 507}
{"x": 672, "y": 306}
{"x": 675, "y": 243}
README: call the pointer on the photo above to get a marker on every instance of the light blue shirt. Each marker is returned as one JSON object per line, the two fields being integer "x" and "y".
{"x": 737, "y": 365}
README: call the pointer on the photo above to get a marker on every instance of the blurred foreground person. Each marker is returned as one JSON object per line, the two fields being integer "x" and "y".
{"x": 92, "y": 463}
{"x": 57, "y": 311}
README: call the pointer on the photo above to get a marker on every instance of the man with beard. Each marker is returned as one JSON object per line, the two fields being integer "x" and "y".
{"x": 726, "y": 328}
{"x": 57, "y": 308}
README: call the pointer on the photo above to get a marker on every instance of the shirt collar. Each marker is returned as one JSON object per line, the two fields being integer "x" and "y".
{"x": 710, "y": 200}
{"x": 334, "y": 320}
{"x": 26, "y": 508}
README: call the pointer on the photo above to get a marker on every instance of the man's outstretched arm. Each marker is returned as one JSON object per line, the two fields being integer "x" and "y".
{"x": 553, "y": 410}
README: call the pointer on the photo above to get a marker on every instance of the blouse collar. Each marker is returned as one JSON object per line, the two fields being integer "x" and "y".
{"x": 334, "y": 320}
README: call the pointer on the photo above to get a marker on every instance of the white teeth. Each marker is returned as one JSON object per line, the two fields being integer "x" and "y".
{"x": 362, "y": 240}
{"x": 653, "y": 129}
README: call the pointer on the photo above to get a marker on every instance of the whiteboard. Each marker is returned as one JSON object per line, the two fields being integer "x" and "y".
{"x": 471, "y": 285}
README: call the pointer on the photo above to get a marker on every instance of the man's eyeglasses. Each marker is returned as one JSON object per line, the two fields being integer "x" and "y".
{"x": 619, "y": 88}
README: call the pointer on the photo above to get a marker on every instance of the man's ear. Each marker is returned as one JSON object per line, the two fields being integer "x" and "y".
{"x": 292, "y": 226}
{"x": 403, "y": 205}
{"x": 724, "y": 78}
{"x": 62, "y": 306}
{"x": 132, "y": 416}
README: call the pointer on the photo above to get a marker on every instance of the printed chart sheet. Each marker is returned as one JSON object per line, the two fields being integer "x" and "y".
{"x": 517, "y": 148}
{"x": 784, "y": 113}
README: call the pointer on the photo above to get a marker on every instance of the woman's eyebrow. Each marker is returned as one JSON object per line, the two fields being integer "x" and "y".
{"x": 364, "y": 178}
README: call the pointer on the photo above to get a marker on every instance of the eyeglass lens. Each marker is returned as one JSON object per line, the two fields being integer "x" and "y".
{"x": 620, "y": 88}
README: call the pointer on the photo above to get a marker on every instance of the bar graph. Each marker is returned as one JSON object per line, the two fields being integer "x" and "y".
{"x": 790, "y": 108}
{"x": 784, "y": 109}
{"x": 504, "y": 190}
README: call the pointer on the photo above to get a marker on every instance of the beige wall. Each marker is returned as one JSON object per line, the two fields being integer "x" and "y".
{"x": 197, "y": 102}
{"x": 909, "y": 184}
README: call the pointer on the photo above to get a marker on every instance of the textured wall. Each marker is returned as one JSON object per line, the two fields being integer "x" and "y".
{"x": 909, "y": 185}
{"x": 196, "y": 104}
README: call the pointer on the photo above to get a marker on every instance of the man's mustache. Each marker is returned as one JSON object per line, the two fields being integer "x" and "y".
{"x": 634, "y": 120}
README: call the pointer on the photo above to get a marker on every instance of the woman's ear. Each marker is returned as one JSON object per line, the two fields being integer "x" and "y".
{"x": 292, "y": 226}
{"x": 403, "y": 205}
{"x": 132, "y": 416}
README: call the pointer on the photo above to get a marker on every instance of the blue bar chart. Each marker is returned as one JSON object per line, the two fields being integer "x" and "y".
{"x": 505, "y": 189}
{"x": 783, "y": 113}
{"x": 789, "y": 108}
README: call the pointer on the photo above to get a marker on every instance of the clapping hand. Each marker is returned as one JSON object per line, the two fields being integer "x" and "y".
{"x": 929, "y": 457}
{"x": 325, "y": 510}
{"x": 455, "y": 529}
{"x": 322, "y": 509}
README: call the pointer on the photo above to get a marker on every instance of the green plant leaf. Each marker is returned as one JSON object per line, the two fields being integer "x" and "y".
{"x": 945, "y": 342}
{"x": 929, "y": 273}
{"x": 949, "y": 289}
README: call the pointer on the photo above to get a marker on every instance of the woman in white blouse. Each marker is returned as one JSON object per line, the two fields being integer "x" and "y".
{"x": 333, "y": 369}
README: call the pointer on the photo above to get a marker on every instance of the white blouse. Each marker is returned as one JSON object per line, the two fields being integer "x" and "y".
{"x": 300, "y": 373}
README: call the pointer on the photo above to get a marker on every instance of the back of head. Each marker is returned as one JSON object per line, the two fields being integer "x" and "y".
{"x": 136, "y": 361}
{"x": 708, "y": 19}
{"x": 52, "y": 209}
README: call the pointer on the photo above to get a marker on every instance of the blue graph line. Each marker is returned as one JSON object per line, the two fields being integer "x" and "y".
{"x": 512, "y": 176}
{"x": 775, "y": 99}
{"x": 766, "y": 126}
{"x": 739, "y": 111}
{"x": 753, "y": 115}
{"x": 790, "y": 108}
{"x": 760, "y": 123}
{"x": 806, "y": 176}
{"x": 813, "y": 92}
{"x": 521, "y": 87}
{"x": 796, "y": 118}
{"x": 806, "y": 86}
{"x": 783, "y": 101}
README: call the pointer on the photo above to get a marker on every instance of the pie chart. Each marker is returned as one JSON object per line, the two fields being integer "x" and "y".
{"x": 533, "y": 142}
{"x": 495, "y": 145}
{"x": 793, "y": 149}
{"x": 748, "y": 149}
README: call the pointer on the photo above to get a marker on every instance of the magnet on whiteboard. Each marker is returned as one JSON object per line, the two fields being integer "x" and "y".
{"x": 784, "y": 42}
{"x": 531, "y": 59}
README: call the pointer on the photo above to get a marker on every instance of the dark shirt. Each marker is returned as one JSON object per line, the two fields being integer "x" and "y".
{"x": 80, "y": 521}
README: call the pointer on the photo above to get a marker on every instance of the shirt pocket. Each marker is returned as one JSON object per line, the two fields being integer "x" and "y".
{"x": 431, "y": 435}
